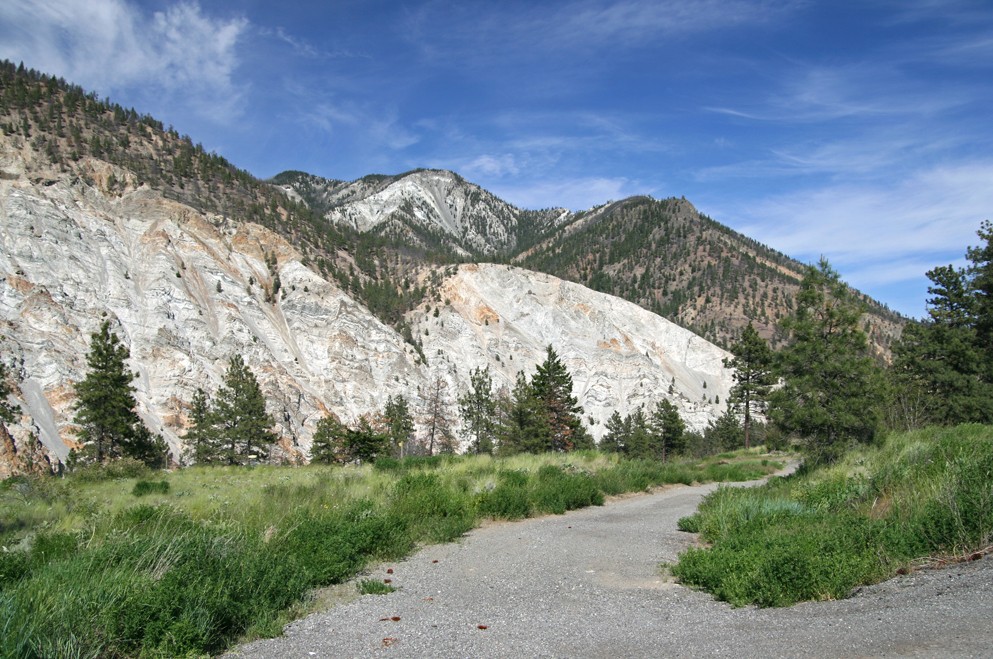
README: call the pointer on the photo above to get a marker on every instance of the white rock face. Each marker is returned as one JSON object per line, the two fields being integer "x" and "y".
{"x": 186, "y": 291}
{"x": 185, "y": 294}
{"x": 437, "y": 200}
{"x": 620, "y": 355}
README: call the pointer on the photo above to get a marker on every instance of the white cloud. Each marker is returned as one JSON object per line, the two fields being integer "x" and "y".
{"x": 110, "y": 45}
{"x": 926, "y": 219}
{"x": 491, "y": 166}
{"x": 575, "y": 194}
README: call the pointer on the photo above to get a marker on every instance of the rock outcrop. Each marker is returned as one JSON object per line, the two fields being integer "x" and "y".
{"x": 187, "y": 290}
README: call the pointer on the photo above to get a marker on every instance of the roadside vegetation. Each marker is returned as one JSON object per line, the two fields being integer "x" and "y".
{"x": 919, "y": 497}
{"x": 120, "y": 560}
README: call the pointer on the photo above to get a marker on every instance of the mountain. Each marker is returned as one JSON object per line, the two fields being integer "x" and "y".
{"x": 104, "y": 215}
{"x": 663, "y": 255}
{"x": 432, "y": 209}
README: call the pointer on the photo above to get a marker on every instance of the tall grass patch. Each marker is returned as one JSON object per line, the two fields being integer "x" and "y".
{"x": 821, "y": 533}
{"x": 131, "y": 562}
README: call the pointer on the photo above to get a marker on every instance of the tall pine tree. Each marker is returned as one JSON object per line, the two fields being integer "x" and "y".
{"x": 831, "y": 386}
{"x": 477, "y": 408}
{"x": 109, "y": 427}
{"x": 947, "y": 360}
{"x": 552, "y": 385}
{"x": 244, "y": 427}
{"x": 753, "y": 377}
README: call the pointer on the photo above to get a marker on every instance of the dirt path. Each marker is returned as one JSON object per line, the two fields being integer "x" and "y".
{"x": 587, "y": 584}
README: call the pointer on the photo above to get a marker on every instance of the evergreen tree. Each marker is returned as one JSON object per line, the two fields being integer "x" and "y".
{"x": 437, "y": 425}
{"x": 753, "y": 377}
{"x": 400, "y": 425}
{"x": 830, "y": 389}
{"x": 201, "y": 438}
{"x": 725, "y": 432}
{"x": 615, "y": 440}
{"x": 525, "y": 425}
{"x": 552, "y": 385}
{"x": 364, "y": 443}
{"x": 947, "y": 359}
{"x": 330, "y": 445}
{"x": 641, "y": 443}
{"x": 109, "y": 427}
{"x": 668, "y": 431}
{"x": 243, "y": 424}
{"x": 478, "y": 410}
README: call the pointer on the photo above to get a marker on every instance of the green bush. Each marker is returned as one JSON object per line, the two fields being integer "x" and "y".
{"x": 430, "y": 509}
{"x": 556, "y": 491}
{"x": 143, "y": 487}
{"x": 509, "y": 499}
{"x": 822, "y": 532}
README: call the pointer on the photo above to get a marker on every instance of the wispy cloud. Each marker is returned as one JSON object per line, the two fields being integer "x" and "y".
{"x": 922, "y": 220}
{"x": 575, "y": 194}
{"x": 110, "y": 45}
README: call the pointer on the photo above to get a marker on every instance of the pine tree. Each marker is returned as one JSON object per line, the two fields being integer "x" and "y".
{"x": 400, "y": 425}
{"x": 239, "y": 410}
{"x": 478, "y": 411}
{"x": 109, "y": 427}
{"x": 552, "y": 385}
{"x": 946, "y": 361}
{"x": 437, "y": 425}
{"x": 330, "y": 443}
{"x": 615, "y": 440}
{"x": 524, "y": 427}
{"x": 365, "y": 443}
{"x": 668, "y": 430}
{"x": 831, "y": 386}
{"x": 753, "y": 377}
{"x": 201, "y": 437}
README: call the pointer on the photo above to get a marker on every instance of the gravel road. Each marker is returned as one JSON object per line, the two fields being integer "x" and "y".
{"x": 588, "y": 584}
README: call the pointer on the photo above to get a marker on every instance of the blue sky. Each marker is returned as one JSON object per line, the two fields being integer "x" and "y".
{"x": 860, "y": 131}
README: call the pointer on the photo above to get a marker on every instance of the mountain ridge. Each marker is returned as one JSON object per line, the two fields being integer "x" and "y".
{"x": 106, "y": 214}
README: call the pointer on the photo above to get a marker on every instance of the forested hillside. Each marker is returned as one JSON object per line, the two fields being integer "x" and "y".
{"x": 666, "y": 257}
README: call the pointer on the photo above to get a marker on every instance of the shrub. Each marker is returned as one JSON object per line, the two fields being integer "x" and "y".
{"x": 556, "y": 491}
{"x": 143, "y": 487}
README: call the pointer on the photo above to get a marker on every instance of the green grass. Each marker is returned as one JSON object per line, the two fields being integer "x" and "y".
{"x": 818, "y": 535}
{"x": 129, "y": 562}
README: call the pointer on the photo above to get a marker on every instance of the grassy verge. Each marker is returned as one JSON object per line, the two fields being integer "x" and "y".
{"x": 126, "y": 562}
{"x": 818, "y": 535}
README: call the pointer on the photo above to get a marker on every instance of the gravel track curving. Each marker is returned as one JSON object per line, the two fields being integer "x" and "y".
{"x": 588, "y": 584}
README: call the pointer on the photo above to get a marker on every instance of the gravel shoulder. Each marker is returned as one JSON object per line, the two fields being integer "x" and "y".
{"x": 588, "y": 584}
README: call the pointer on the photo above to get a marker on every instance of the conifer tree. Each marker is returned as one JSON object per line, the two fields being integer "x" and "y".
{"x": 668, "y": 430}
{"x": 525, "y": 425}
{"x": 552, "y": 385}
{"x": 239, "y": 410}
{"x": 109, "y": 427}
{"x": 478, "y": 410}
{"x": 615, "y": 440}
{"x": 753, "y": 377}
{"x": 947, "y": 360}
{"x": 400, "y": 425}
{"x": 201, "y": 437}
{"x": 330, "y": 444}
{"x": 831, "y": 386}
{"x": 438, "y": 426}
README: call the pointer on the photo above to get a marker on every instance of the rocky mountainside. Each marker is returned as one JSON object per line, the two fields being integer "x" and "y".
{"x": 435, "y": 210}
{"x": 336, "y": 294}
{"x": 663, "y": 255}
{"x": 186, "y": 290}
{"x": 105, "y": 216}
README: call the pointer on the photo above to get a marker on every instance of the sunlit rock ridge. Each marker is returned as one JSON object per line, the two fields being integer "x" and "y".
{"x": 186, "y": 290}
